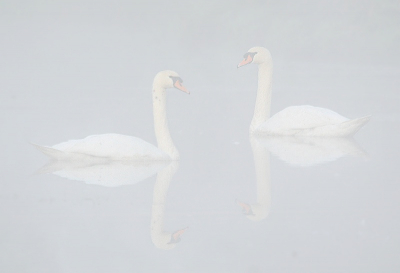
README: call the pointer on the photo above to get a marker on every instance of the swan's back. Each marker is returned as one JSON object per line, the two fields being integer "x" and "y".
{"x": 302, "y": 117}
{"x": 310, "y": 121}
{"x": 113, "y": 146}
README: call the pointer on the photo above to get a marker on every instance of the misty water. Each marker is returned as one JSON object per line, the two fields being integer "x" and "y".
{"x": 232, "y": 203}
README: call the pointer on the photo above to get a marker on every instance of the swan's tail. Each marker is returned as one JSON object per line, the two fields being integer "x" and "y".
{"x": 350, "y": 127}
{"x": 51, "y": 152}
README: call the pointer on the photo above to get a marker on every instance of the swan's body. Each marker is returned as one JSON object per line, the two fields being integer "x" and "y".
{"x": 110, "y": 146}
{"x": 122, "y": 147}
{"x": 302, "y": 120}
{"x": 306, "y": 120}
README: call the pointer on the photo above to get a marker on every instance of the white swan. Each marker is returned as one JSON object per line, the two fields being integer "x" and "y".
{"x": 121, "y": 147}
{"x": 302, "y": 120}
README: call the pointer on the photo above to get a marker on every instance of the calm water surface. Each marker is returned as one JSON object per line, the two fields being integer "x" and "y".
{"x": 242, "y": 204}
{"x": 314, "y": 205}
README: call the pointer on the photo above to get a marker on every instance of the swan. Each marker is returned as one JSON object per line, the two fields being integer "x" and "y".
{"x": 121, "y": 147}
{"x": 302, "y": 120}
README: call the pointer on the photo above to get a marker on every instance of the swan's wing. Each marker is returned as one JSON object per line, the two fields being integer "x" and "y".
{"x": 301, "y": 117}
{"x": 113, "y": 146}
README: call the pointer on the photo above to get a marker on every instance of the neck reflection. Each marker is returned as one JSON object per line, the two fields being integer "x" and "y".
{"x": 160, "y": 238}
{"x": 295, "y": 151}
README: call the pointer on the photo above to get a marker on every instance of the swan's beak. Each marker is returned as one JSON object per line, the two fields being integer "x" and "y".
{"x": 179, "y": 86}
{"x": 246, "y": 208}
{"x": 248, "y": 60}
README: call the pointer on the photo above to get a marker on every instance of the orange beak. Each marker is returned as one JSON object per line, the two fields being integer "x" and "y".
{"x": 248, "y": 60}
{"x": 179, "y": 86}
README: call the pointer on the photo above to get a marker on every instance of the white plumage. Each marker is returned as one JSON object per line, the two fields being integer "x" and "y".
{"x": 97, "y": 148}
{"x": 302, "y": 120}
{"x": 113, "y": 146}
{"x": 306, "y": 120}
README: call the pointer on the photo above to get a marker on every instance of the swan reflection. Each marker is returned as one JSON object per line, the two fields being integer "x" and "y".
{"x": 104, "y": 172}
{"x": 119, "y": 173}
{"x": 259, "y": 210}
{"x": 310, "y": 151}
{"x": 296, "y": 151}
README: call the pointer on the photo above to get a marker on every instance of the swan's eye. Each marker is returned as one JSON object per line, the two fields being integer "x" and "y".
{"x": 174, "y": 79}
{"x": 251, "y": 54}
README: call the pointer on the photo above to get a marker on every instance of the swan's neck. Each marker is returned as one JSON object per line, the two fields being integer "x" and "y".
{"x": 263, "y": 101}
{"x": 163, "y": 136}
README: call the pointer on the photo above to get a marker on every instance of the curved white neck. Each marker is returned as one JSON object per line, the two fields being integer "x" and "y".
{"x": 163, "y": 136}
{"x": 262, "y": 108}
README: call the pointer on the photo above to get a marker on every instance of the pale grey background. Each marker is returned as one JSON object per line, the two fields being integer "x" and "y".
{"x": 69, "y": 69}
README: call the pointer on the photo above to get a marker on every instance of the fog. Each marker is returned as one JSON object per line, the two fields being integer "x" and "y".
{"x": 232, "y": 203}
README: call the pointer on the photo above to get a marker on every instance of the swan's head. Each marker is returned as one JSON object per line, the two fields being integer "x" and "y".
{"x": 257, "y": 55}
{"x": 168, "y": 79}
